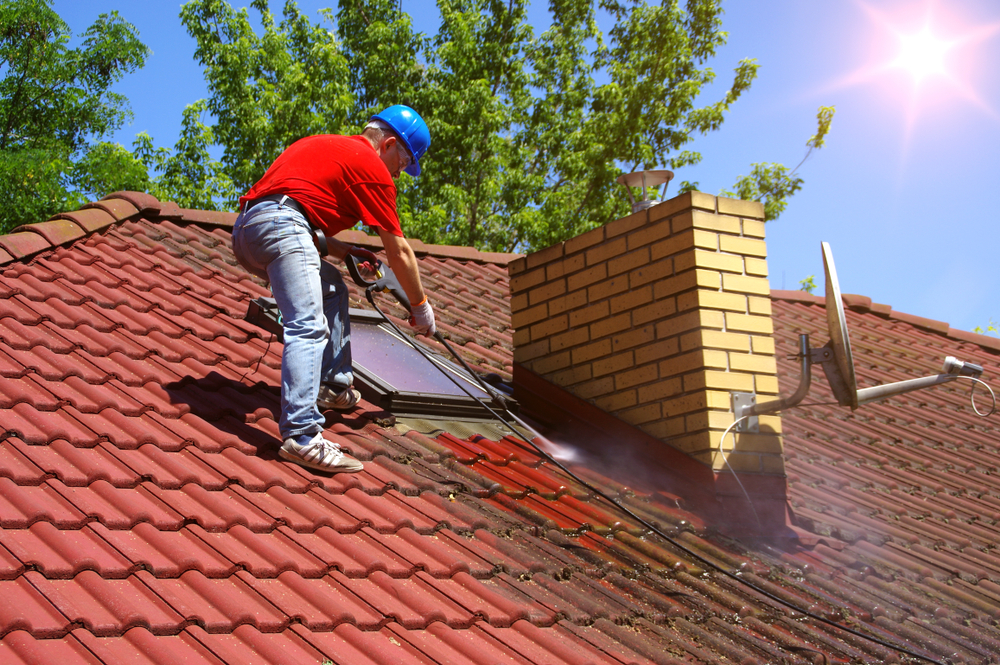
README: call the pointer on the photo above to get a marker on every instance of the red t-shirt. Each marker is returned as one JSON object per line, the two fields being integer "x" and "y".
{"x": 339, "y": 180}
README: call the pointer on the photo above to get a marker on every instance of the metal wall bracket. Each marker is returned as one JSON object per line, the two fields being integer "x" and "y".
{"x": 742, "y": 401}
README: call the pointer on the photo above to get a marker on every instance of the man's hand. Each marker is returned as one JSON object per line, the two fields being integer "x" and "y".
{"x": 368, "y": 264}
{"x": 422, "y": 318}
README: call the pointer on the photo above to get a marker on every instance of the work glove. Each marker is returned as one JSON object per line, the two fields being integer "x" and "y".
{"x": 422, "y": 318}
{"x": 369, "y": 262}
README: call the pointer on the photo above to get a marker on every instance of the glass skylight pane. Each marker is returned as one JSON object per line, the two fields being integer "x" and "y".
{"x": 396, "y": 363}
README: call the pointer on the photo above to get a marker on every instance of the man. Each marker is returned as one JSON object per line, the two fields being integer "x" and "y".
{"x": 329, "y": 183}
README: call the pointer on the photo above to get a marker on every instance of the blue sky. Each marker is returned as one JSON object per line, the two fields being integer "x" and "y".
{"x": 903, "y": 190}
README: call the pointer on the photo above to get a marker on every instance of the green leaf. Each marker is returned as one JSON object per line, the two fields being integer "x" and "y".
{"x": 774, "y": 184}
{"x": 54, "y": 101}
{"x": 808, "y": 284}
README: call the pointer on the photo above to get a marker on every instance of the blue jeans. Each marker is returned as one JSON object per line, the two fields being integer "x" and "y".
{"x": 275, "y": 242}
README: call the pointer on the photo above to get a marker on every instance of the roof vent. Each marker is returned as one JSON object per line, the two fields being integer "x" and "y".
{"x": 645, "y": 179}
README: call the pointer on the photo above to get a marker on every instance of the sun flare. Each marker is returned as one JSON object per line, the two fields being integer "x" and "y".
{"x": 923, "y": 54}
{"x": 925, "y": 61}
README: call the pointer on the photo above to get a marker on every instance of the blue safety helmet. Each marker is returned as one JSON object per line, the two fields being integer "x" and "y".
{"x": 411, "y": 129}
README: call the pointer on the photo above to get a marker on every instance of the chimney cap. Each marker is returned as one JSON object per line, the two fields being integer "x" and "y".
{"x": 645, "y": 179}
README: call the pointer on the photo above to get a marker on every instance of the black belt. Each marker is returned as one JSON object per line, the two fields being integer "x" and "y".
{"x": 319, "y": 238}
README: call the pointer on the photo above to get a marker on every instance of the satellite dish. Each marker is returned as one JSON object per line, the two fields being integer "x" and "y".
{"x": 841, "y": 376}
{"x": 838, "y": 365}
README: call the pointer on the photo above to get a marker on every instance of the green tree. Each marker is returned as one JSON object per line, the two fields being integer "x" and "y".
{"x": 54, "y": 102}
{"x": 266, "y": 90}
{"x": 773, "y": 184}
{"x": 526, "y": 142}
{"x": 189, "y": 176}
{"x": 808, "y": 284}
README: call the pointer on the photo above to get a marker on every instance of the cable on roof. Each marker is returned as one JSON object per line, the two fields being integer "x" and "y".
{"x": 628, "y": 511}
{"x": 733, "y": 471}
{"x": 972, "y": 396}
{"x": 267, "y": 349}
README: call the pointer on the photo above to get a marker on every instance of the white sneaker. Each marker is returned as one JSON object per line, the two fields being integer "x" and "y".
{"x": 319, "y": 454}
{"x": 345, "y": 400}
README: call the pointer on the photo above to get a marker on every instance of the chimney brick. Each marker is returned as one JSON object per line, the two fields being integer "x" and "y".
{"x": 760, "y": 305}
{"x": 584, "y": 241}
{"x": 742, "y": 246}
{"x": 742, "y": 284}
{"x": 545, "y": 256}
{"x": 657, "y": 392}
{"x": 584, "y": 278}
{"x": 654, "y": 312}
{"x": 570, "y": 301}
{"x": 661, "y": 349}
{"x": 762, "y": 345}
{"x": 549, "y": 327}
{"x": 575, "y": 375}
{"x": 626, "y": 224}
{"x": 753, "y": 228}
{"x": 635, "y": 337}
{"x": 552, "y": 363}
{"x": 639, "y": 257}
{"x": 705, "y": 220}
{"x": 748, "y": 323}
{"x": 546, "y": 291}
{"x": 757, "y": 267}
{"x": 656, "y": 318}
{"x": 631, "y": 300}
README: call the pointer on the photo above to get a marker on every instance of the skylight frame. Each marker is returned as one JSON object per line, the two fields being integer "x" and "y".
{"x": 379, "y": 390}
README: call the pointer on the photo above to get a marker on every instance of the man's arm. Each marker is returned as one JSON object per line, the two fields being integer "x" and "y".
{"x": 404, "y": 264}
{"x": 337, "y": 249}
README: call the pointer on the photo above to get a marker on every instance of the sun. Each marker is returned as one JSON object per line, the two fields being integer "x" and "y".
{"x": 923, "y": 54}
{"x": 936, "y": 54}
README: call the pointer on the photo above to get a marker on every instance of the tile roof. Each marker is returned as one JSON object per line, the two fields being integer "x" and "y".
{"x": 145, "y": 517}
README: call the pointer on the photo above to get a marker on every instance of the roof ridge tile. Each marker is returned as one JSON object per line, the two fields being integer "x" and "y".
{"x": 142, "y": 201}
{"x": 420, "y": 248}
{"x": 921, "y": 322}
{"x": 864, "y": 304}
{"x": 210, "y": 217}
{"x": 858, "y": 302}
{"x": 170, "y": 210}
{"x": 57, "y": 230}
{"x": 975, "y": 338}
{"x": 23, "y": 244}
{"x": 90, "y": 219}
{"x": 125, "y": 205}
{"x": 65, "y": 227}
{"x": 797, "y": 296}
{"x": 118, "y": 208}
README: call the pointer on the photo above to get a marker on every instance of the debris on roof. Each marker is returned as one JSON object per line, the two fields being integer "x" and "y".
{"x": 146, "y": 518}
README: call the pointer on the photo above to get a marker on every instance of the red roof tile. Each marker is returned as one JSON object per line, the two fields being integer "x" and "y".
{"x": 146, "y": 517}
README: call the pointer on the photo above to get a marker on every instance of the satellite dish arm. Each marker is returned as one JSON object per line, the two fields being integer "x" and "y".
{"x": 953, "y": 369}
{"x": 774, "y": 405}
{"x": 875, "y": 393}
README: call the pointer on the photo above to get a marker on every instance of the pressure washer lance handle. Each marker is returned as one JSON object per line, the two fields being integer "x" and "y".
{"x": 385, "y": 280}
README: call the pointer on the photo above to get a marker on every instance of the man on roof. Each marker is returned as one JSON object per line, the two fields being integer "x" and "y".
{"x": 328, "y": 183}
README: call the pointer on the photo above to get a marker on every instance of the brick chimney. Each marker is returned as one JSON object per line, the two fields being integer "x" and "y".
{"x": 655, "y": 318}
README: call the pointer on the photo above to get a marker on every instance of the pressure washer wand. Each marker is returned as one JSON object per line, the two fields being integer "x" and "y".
{"x": 386, "y": 282}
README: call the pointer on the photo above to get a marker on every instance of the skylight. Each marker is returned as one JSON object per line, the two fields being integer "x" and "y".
{"x": 390, "y": 372}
